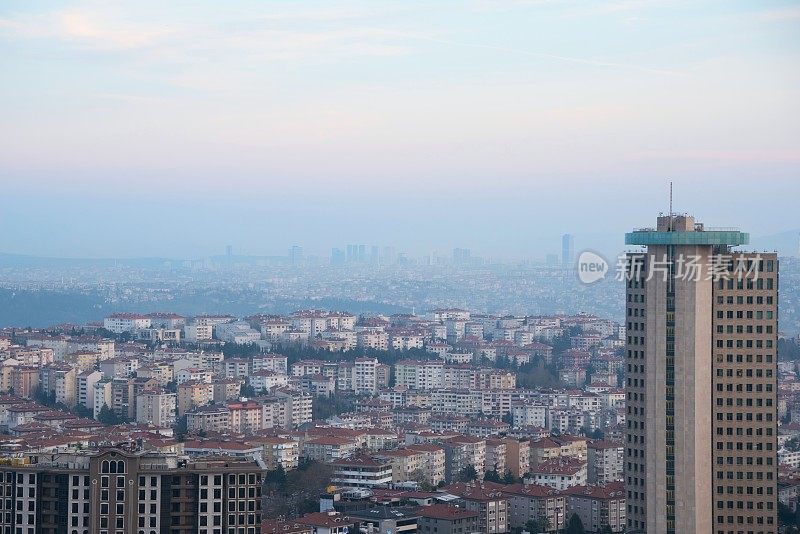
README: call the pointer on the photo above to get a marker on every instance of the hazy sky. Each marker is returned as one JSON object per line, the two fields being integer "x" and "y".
{"x": 175, "y": 128}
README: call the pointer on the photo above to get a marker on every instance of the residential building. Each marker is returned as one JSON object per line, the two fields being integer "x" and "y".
{"x": 156, "y": 407}
{"x": 361, "y": 471}
{"x": 544, "y": 504}
{"x": 558, "y": 473}
{"x": 486, "y": 499}
{"x": 599, "y": 507}
{"x": 134, "y": 492}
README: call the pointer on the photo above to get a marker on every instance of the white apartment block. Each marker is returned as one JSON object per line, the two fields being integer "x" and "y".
{"x": 156, "y": 408}
{"x": 558, "y": 473}
{"x": 238, "y": 332}
{"x": 85, "y": 387}
{"x": 605, "y": 461}
{"x": 198, "y": 332}
{"x": 529, "y": 415}
{"x": 102, "y": 395}
{"x": 125, "y": 322}
{"x": 419, "y": 374}
{"x": 276, "y": 363}
{"x": 373, "y": 339}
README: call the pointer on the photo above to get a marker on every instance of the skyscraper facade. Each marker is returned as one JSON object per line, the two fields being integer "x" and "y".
{"x": 701, "y": 384}
{"x": 567, "y": 250}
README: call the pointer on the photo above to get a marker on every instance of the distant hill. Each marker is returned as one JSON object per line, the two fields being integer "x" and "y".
{"x": 785, "y": 243}
{"x": 21, "y": 260}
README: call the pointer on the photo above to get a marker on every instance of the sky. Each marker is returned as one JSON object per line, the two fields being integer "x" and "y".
{"x": 176, "y": 128}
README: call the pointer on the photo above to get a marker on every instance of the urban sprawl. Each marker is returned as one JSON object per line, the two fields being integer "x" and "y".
{"x": 448, "y": 422}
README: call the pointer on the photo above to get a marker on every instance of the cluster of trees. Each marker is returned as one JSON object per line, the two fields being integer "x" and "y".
{"x": 789, "y": 518}
{"x": 107, "y": 416}
{"x": 48, "y": 398}
{"x": 574, "y": 526}
{"x": 294, "y": 493}
{"x": 494, "y": 476}
{"x": 788, "y": 350}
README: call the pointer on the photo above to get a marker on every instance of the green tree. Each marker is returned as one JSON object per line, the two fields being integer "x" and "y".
{"x": 533, "y": 526}
{"x": 467, "y": 473}
{"x": 247, "y": 391}
{"x": 575, "y": 525}
{"x": 47, "y": 398}
{"x": 107, "y": 416}
{"x": 82, "y": 411}
{"x": 277, "y": 475}
{"x": 492, "y": 476}
{"x": 181, "y": 428}
{"x": 509, "y": 478}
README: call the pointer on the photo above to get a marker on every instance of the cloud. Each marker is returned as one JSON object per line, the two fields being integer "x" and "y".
{"x": 271, "y": 37}
{"x": 780, "y": 15}
{"x": 86, "y": 30}
{"x": 541, "y": 55}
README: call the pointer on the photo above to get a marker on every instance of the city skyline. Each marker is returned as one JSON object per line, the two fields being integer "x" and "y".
{"x": 393, "y": 121}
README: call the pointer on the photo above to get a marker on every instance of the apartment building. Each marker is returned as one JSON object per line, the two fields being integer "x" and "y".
{"x": 598, "y": 507}
{"x": 544, "y": 504}
{"x": 115, "y": 491}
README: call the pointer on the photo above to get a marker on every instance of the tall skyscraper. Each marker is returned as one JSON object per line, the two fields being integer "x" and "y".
{"x": 337, "y": 256}
{"x": 567, "y": 251}
{"x": 701, "y": 382}
{"x": 295, "y": 255}
{"x": 461, "y": 256}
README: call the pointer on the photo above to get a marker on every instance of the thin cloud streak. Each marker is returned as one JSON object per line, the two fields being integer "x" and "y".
{"x": 544, "y": 55}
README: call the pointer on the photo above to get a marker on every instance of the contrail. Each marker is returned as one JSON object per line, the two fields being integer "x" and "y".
{"x": 545, "y": 55}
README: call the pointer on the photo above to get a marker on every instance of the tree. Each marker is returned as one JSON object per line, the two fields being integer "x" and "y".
{"x": 107, "y": 416}
{"x": 509, "y": 478}
{"x": 575, "y": 525}
{"x": 533, "y": 526}
{"x": 82, "y": 411}
{"x": 277, "y": 475}
{"x": 247, "y": 391}
{"x": 299, "y": 493}
{"x": 47, "y": 398}
{"x": 467, "y": 473}
{"x": 181, "y": 428}
{"x": 492, "y": 476}
{"x": 606, "y": 530}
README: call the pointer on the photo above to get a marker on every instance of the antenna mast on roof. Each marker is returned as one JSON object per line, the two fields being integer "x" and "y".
{"x": 670, "y": 199}
{"x": 671, "y": 226}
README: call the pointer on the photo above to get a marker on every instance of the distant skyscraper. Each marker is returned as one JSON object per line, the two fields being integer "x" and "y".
{"x": 295, "y": 255}
{"x": 337, "y": 256}
{"x": 567, "y": 250}
{"x": 461, "y": 256}
{"x": 701, "y": 381}
{"x": 552, "y": 260}
{"x": 389, "y": 256}
{"x": 352, "y": 253}
{"x": 229, "y": 251}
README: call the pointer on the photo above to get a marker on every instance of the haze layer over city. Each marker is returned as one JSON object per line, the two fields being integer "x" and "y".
{"x": 382, "y": 267}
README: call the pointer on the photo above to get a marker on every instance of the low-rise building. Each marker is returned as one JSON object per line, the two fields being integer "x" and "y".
{"x": 444, "y": 519}
{"x": 559, "y": 473}
{"x": 544, "y": 504}
{"x": 361, "y": 471}
{"x": 598, "y": 506}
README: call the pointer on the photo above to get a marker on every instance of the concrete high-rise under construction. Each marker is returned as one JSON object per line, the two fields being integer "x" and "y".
{"x": 701, "y": 382}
